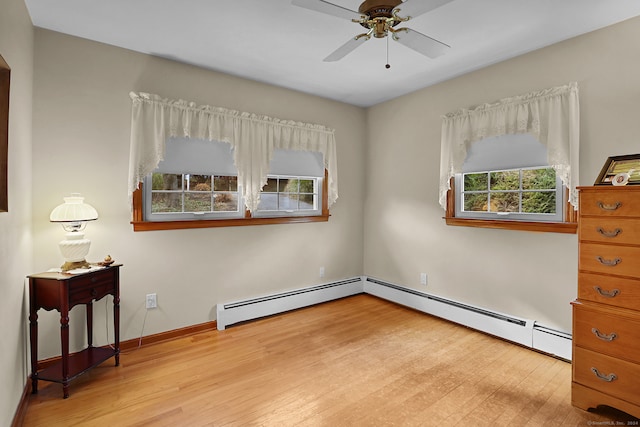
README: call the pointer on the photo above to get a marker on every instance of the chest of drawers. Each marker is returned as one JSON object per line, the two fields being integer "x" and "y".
{"x": 606, "y": 315}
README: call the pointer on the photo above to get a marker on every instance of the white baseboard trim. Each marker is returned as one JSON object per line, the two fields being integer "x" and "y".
{"x": 254, "y": 308}
{"x": 522, "y": 331}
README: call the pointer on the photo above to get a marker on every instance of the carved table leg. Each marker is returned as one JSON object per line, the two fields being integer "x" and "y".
{"x": 90, "y": 323}
{"x": 33, "y": 337}
{"x": 116, "y": 325}
{"x": 64, "y": 338}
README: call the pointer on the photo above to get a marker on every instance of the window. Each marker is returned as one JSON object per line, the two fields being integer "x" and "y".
{"x": 189, "y": 146}
{"x": 290, "y": 195}
{"x": 197, "y": 185}
{"x": 536, "y": 130}
{"x": 174, "y": 197}
{"x": 506, "y": 183}
{"x": 191, "y": 196}
{"x": 531, "y": 194}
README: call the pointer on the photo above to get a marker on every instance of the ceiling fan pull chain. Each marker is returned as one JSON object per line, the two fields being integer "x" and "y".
{"x": 388, "y": 65}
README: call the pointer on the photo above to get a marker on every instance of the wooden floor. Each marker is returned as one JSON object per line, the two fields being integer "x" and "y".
{"x": 359, "y": 361}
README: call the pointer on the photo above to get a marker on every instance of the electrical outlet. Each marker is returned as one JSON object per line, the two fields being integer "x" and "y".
{"x": 423, "y": 278}
{"x": 321, "y": 273}
{"x": 152, "y": 301}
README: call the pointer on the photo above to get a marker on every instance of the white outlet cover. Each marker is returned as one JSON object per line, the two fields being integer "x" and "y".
{"x": 151, "y": 301}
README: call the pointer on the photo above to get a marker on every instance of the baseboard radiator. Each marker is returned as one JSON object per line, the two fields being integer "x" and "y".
{"x": 552, "y": 341}
{"x": 240, "y": 311}
{"x": 522, "y": 331}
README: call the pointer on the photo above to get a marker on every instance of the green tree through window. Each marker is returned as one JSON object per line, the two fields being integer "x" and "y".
{"x": 522, "y": 191}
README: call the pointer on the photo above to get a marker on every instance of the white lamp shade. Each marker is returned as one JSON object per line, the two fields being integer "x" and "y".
{"x": 73, "y": 210}
{"x": 73, "y": 215}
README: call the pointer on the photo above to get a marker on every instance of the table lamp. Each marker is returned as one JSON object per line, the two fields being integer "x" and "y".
{"x": 73, "y": 214}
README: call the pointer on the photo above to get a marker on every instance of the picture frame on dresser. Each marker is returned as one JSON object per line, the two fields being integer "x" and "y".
{"x": 620, "y": 170}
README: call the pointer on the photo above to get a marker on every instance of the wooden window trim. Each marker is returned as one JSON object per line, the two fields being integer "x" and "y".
{"x": 569, "y": 226}
{"x": 139, "y": 224}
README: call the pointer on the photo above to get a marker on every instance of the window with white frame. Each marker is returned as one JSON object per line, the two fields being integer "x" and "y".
{"x": 197, "y": 166}
{"x": 531, "y": 194}
{"x": 507, "y": 177}
{"x": 294, "y": 185}
{"x": 198, "y": 180}
{"x": 174, "y": 196}
{"x": 550, "y": 118}
{"x": 289, "y": 195}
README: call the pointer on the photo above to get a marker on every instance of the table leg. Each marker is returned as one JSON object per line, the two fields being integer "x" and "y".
{"x": 33, "y": 338}
{"x": 90, "y": 324}
{"x": 64, "y": 341}
{"x": 116, "y": 325}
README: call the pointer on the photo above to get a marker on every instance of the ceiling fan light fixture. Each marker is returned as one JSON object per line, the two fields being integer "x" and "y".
{"x": 379, "y": 8}
{"x": 380, "y": 17}
{"x": 380, "y": 28}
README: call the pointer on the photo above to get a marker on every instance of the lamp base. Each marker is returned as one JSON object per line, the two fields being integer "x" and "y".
{"x": 72, "y": 265}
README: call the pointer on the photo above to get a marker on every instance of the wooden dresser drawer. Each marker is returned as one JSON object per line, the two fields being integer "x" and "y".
{"x": 610, "y": 259}
{"x": 607, "y": 374}
{"x": 610, "y": 230}
{"x": 610, "y": 290}
{"x": 606, "y": 315}
{"x": 610, "y": 201}
{"x": 608, "y": 331}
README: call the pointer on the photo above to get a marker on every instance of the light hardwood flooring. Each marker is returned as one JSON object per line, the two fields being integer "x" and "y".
{"x": 359, "y": 361}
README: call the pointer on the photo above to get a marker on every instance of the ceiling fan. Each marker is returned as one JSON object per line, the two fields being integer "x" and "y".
{"x": 380, "y": 17}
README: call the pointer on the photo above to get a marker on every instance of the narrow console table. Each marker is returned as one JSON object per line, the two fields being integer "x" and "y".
{"x": 61, "y": 292}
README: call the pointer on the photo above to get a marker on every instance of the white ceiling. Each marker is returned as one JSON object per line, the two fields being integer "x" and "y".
{"x": 277, "y": 43}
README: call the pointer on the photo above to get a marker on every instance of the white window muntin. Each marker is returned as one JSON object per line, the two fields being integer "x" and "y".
{"x": 185, "y": 156}
{"x": 282, "y": 203}
{"x": 520, "y": 216}
{"x": 185, "y": 192}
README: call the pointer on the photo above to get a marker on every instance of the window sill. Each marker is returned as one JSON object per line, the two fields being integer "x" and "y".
{"x": 569, "y": 226}
{"x": 234, "y": 222}
{"x": 546, "y": 227}
{"x": 139, "y": 224}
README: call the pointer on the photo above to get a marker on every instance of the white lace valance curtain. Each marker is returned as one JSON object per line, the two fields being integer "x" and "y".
{"x": 551, "y": 115}
{"x": 253, "y": 137}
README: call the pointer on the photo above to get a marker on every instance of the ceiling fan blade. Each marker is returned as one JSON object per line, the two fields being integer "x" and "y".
{"x": 420, "y": 43}
{"x": 413, "y": 8}
{"x": 347, "y": 48}
{"x": 328, "y": 8}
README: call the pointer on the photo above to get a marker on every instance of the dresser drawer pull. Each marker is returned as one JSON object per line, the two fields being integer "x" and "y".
{"x": 606, "y": 207}
{"x": 607, "y": 294}
{"x": 609, "y": 262}
{"x": 610, "y": 234}
{"x": 604, "y": 337}
{"x": 607, "y": 378}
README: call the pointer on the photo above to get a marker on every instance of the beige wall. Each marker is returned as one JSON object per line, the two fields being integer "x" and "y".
{"x": 388, "y": 160}
{"x": 81, "y": 144}
{"x": 16, "y": 47}
{"x": 526, "y": 274}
